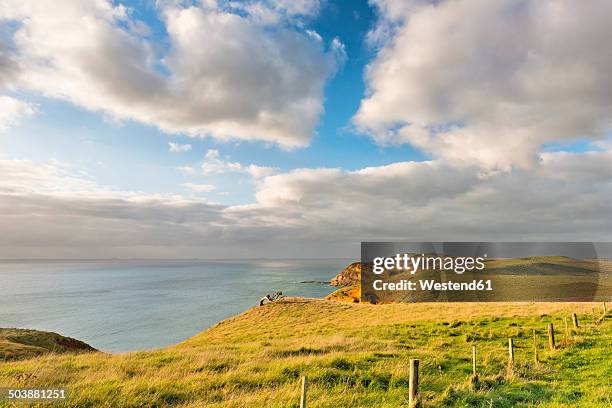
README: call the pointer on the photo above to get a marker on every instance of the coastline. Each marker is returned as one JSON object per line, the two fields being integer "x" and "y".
{"x": 128, "y": 306}
{"x": 353, "y": 354}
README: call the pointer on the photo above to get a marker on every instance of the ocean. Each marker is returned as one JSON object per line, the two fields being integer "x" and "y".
{"x": 123, "y": 306}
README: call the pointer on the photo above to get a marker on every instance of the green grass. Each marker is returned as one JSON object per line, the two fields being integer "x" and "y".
{"x": 355, "y": 355}
{"x": 547, "y": 278}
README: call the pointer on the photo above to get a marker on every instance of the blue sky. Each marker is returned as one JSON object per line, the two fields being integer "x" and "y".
{"x": 312, "y": 125}
{"x": 128, "y": 155}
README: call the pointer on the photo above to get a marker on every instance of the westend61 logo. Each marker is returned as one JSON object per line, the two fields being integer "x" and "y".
{"x": 412, "y": 263}
{"x": 485, "y": 271}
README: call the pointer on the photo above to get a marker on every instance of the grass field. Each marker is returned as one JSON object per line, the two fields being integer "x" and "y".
{"x": 547, "y": 278}
{"x": 355, "y": 355}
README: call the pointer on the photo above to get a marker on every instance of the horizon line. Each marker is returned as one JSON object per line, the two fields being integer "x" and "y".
{"x": 164, "y": 259}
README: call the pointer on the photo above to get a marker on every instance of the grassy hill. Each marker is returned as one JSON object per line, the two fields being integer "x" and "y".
{"x": 355, "y": 355}
{"x": 16, "y": 344}
{"x": 551, "y": 278}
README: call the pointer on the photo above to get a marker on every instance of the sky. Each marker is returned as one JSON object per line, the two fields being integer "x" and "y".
{"x": 276, "y": 128}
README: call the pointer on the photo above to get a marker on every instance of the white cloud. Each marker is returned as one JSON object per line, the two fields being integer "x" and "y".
{"x": 12, "y": 111}
{"x": 477, "y": 84}
{"x": 297, "y": 7}
{"x": 271, "y": 12}
{"x": 22, "y": 177}
{"x": 248, "y": 82}
{"x": 48, "y": 211}
{"x": 200, "y": 188}
{"x": 214, "y": 164}
{"x": 489, "y": 82}
{"x": 178, "y": 147}
{"x": 563, "y": 197}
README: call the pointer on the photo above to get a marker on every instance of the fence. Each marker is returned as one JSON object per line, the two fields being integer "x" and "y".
{"x": 413, "y": 383}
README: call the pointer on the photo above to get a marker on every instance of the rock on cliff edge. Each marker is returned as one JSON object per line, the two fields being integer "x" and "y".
{"x": 349, "y": 281}
{"x": 349, "y": 276}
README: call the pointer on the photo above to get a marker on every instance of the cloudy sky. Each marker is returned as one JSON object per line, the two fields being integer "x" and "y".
{"x": 298, "y": 128}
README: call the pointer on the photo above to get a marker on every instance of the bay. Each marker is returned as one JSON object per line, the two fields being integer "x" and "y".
{"x": 132, "y": 305}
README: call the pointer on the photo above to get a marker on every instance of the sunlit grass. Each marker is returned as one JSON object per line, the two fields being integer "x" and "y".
{"x": 355, "y": 355}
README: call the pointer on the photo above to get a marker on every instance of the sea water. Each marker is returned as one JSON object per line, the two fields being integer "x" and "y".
{"x": 134, "y": 305}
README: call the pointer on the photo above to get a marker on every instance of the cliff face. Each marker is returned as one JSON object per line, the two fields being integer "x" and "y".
{"x": 349, "y": 279}
{"x": 349, "y": 276}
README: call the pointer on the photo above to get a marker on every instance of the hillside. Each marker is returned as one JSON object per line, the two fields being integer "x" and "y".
{"x": 18, "y": 344}
{"x": 355, "y": 355}
{"x": 349, "y": 276}
{"x": 349, "y": 281}
{"x": 580, "y": 280}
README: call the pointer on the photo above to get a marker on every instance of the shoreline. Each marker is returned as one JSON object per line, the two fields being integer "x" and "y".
{"x": 472, "y": 309}
{"x": 349, "y": 352}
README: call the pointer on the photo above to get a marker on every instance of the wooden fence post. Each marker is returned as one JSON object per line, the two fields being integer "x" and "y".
{"x": 575, "y": 320}
{"x": 413, "y": 385}
{"x": 510, "y": 356}
{"x": 604, "y": 309}
{"x": 474, "y": 373}
{"x": 535, "y": 348}
{"x": 304, "y": 388}
{"x": 551, "y": 336}
{"x": 567, "y": 333}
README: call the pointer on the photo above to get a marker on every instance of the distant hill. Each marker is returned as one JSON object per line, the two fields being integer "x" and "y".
{"x": 17, "y": 344}
{"x": 581, "y": 279}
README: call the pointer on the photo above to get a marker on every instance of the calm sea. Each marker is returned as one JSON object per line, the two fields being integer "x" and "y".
{"x": 133, "y": 305}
